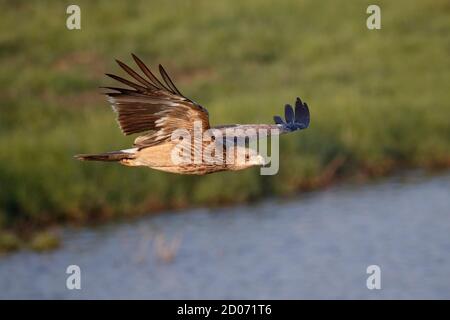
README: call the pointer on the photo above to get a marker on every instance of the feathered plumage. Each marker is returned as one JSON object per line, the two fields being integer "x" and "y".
{"x": 294, "y": 121}
{"x": 158, "y": 108}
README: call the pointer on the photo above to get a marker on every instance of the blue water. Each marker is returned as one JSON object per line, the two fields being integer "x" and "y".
{"x": 317, "y": 245}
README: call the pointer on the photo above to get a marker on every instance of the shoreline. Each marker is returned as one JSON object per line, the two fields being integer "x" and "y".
{"x": 46, "y": 237}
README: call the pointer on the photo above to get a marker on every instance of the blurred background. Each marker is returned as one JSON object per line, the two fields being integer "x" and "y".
{"x": 365, "y": 184}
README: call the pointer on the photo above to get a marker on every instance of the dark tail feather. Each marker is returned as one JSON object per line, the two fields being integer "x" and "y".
{"x": 107, "y": 156}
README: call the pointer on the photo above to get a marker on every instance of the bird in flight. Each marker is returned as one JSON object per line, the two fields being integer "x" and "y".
{"x": 169, "y": 123}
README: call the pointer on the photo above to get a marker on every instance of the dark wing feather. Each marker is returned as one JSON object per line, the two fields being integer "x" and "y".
{"x": 168, "y": 81}
{"x": 297, "y": 120}
{"x": 301, "y": 112}
{"x": 135, "y": 75}
{"x": 278, "y": 120}
{"x": 126, "y": 82}
{"x": 153, "y": 107}
{"x": 289, "y": 113}
{"x": 148, "y": 72}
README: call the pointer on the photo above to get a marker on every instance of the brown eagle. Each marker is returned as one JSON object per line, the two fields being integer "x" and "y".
{"x": 158, "y": 109}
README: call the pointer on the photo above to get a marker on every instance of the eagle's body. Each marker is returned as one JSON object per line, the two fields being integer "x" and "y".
{"x": 161, "y": 111}
{"x": 159, "y": 157}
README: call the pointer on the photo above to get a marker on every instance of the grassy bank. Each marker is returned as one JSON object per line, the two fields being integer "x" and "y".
{"x": 378, "y": 99}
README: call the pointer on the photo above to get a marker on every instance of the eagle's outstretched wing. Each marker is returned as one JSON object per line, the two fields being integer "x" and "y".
{"x": 153, "y": 106}
{"x": 294, "y": 120}
{"x": 297, "y": 120}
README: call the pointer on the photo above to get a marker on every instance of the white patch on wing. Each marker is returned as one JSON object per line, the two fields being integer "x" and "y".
{"x": 132, "y": 150}
{"x": 160, "y": 134}
{"x": 113, "y": 103}
{"x": 160, "y": 121}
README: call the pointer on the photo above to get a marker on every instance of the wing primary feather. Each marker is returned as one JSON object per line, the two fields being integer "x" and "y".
{"x": 278, "y": 120}
{"x": 121, "y": 90}
{"x": 289, "y": 113}
{"x": 168, "y": 81}
{"x": 128, "y": 83}
{"x": 301, "y": 112}
{"x": 305, "y": 117}
{"x": 136, "y": 76}
{"x": 147, "y": 103}
{"x": 299, "y": 109}
{"x": 148, "y": 73}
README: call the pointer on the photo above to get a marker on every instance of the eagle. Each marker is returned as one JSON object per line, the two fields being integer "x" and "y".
{"x": 157, "y": 110}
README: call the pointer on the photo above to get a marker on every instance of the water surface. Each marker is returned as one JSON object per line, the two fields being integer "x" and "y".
{"x": 315, "y": 246}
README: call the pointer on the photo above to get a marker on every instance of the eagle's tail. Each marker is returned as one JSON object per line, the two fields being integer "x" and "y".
{"x": 109, "y": 156}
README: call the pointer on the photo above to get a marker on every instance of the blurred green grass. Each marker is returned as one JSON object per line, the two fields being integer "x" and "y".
{"x": 378, "y": 99}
